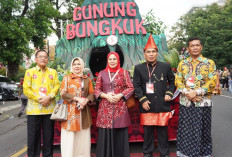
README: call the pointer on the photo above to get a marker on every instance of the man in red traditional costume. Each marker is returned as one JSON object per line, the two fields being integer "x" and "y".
{"x": 154, "y": 87}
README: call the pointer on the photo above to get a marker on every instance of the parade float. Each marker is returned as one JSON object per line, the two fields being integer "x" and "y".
{"x": 102, "y": 26}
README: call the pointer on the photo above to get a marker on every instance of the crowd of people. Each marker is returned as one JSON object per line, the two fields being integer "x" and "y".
{"x": 226, "y": 79}
{"x": 154, "y": 85}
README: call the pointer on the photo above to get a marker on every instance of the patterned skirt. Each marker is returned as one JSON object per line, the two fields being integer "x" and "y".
{"x": 194, "y": 132}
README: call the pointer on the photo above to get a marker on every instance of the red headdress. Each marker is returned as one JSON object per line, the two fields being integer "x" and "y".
{"x": 150, "y": 43}
{"x": 117, "y": 67}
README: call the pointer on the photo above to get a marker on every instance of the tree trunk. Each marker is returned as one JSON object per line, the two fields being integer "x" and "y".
{"x": 12, "y": 69}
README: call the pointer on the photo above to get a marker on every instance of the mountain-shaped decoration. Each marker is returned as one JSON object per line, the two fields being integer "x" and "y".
{"x": 93, "y": 49}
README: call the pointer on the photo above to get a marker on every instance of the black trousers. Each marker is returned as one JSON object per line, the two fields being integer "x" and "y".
{"x": 225, "y": 83}
{"x": 162, "y": 137}
{"x": 34, "y": 124}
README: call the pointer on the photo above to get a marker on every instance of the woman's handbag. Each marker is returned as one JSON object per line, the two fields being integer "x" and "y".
{"x": 131, "y": 102}
{"x": 60, "y": 111}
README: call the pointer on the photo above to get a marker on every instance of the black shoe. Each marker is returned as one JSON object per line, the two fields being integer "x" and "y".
{"x": 164, "y": 156}
{"x": 20, "y": 114}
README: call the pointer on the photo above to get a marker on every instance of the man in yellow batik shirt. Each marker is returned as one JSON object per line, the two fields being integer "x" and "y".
{"x": 196, "y": 80}
{"x": 40, "y": 86}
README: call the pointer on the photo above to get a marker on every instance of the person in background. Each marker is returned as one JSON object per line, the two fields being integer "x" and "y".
{"x": 195, "y": 79}
{"x": 40, "y": 86}
{"x": 23, "y": 98}
{"x": 224, "y": 77}
{"x": 230, "y": 81}
{"x": 76, "y": 91}
{"x": 230, "y": 84}
{"x": 220, "y": 76}
{"x": 217, "y": 90}
{"x": 113, "y": 87}
{"x": 154, "y": 87}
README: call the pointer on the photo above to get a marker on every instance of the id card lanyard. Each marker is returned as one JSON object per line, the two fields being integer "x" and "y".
{"x": 112, "y": 78}
{"x": 151, "y": 72}
{"x": 43, "y": 89}
{"x": 150, "y": 85}
{"x": 190, "y": 80}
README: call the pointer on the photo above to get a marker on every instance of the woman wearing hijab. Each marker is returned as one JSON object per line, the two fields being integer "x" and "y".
{"x": 76, "y": 91}
{"x": 113, "y": 88}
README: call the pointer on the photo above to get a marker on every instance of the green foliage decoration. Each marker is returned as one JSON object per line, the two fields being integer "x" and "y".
{"x": 172, "y": 57}
{"x": 131, "y": 45}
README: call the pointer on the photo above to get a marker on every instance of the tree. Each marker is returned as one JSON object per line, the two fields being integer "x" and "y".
{"x": 67, "y": 16}
{"x": 26, "y": 21}
{"x": 213, "y": 25}
{"x": 20, "y": 25}
{"x": 152, "y": 24}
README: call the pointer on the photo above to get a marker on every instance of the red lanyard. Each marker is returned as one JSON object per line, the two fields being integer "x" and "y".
{"x": 151, "y": 72}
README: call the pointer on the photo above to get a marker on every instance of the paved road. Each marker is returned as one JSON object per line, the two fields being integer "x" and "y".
{"x": 13, "y": 129}
{"x": 222, "y": 125}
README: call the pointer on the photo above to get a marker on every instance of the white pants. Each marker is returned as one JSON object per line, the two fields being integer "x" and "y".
{"x": 75, "y": 143}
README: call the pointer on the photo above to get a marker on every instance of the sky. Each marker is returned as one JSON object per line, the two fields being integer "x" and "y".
{"x": 168, "y": 11}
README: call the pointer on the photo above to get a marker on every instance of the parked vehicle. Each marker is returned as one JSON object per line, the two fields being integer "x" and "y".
{"x": 10, "y": 90}
{"x": 1, "y": 93}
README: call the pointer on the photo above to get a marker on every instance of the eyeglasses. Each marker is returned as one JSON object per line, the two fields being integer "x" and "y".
{"x": 42, "y": 57}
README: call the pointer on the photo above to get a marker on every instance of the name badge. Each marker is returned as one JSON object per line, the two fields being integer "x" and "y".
{"x": 190, "y": 82}
{"x": 149, "y": 88}
{"x": 42, "y": 91}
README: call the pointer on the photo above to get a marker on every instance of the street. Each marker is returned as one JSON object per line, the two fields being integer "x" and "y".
{"x": 13, "y": 131}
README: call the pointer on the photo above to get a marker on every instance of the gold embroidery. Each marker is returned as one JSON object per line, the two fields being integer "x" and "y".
{"x": 169, "y": 92}
{"x": 142, "y": 98}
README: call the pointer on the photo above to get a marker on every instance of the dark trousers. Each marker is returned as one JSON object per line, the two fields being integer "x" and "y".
{"x": 23, "y": 105}
{"x": 225, "y": 83}
{"x": 162, "y": 137}
{"x": 34, "y": 124}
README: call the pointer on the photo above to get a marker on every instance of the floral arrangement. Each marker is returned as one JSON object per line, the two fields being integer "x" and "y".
{"x": 183, "y": 54}
{"x": 95, "y": 79}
